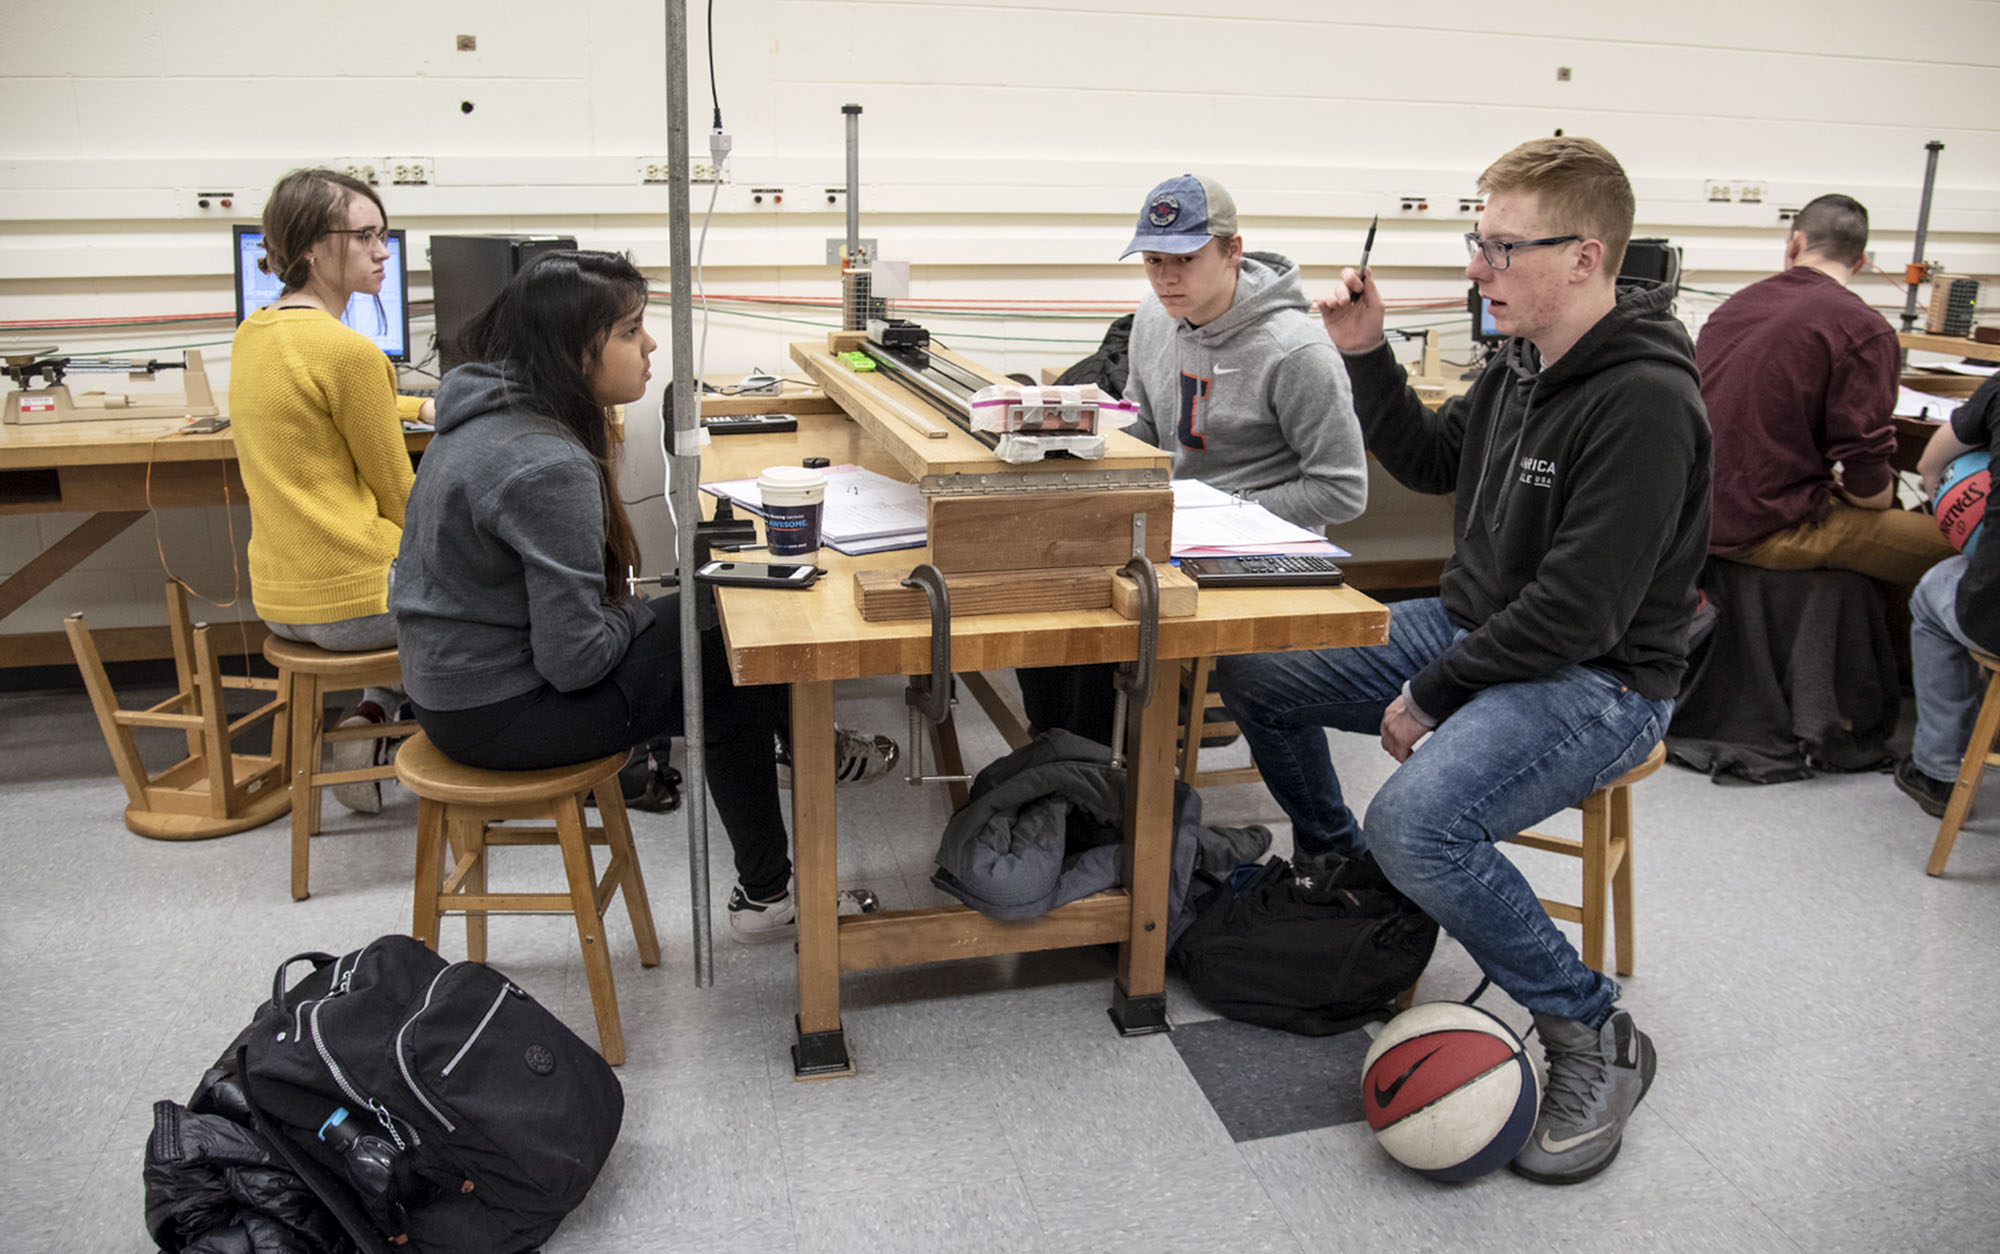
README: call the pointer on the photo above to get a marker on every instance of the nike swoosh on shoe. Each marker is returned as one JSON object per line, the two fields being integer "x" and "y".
{"x": 1558, "y": 1145}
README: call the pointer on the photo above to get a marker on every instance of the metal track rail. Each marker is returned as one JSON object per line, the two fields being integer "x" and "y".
{"x": 945, "y": 386}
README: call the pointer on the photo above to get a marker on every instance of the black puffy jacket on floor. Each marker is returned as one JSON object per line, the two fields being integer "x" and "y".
{"x": 214, "y": 1186}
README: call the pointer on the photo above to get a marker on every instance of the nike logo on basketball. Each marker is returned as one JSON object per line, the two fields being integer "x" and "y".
{"x": 1383, "y": 1096}
{"x": 1558, "y": 1144}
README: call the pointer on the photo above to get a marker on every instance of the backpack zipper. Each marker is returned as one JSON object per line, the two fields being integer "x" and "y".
{"x": 353, "y": 1094}
{"x": 506, "y": 991}
{"x": 340, "y": 984}
{"x": 402, "y": 1062}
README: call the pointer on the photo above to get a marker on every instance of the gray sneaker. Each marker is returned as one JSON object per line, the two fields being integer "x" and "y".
{"x": 1596, "y": 1077}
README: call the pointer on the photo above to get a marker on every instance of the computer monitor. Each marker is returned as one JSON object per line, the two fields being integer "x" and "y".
{"x": 390, "y": 330}
{"x": 1655, "y": 259}
{"x": 1481, "y": 309}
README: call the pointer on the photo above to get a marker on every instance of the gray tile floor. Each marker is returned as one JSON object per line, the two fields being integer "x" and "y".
{"x": 1825, "y": 1015}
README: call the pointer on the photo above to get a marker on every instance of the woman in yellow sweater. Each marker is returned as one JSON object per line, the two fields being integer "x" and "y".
{"x": 319, "y": 436}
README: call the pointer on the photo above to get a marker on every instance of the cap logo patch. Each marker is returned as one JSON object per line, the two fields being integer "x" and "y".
{"x": 1164, "y": 211}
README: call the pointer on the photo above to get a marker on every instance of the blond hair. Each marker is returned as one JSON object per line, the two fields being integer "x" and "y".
{"x": 1579, "y": 186}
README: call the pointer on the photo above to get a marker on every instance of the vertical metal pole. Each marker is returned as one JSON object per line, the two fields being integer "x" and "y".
{"x": 855, "y": 313}
{"x": 686, "y": 467}
{"x": 1923, "y": 228}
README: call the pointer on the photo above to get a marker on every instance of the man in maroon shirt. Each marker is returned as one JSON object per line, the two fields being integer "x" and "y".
{"x": 1799, "y": 376}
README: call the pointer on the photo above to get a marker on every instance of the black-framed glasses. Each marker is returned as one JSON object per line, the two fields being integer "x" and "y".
{"x": 1499, "y": 254}
{"x": 369, "y": 236}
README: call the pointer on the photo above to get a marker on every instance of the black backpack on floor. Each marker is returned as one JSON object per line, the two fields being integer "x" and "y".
{"x": 434, "y": 1107}
{"x": 1315, "y": 956}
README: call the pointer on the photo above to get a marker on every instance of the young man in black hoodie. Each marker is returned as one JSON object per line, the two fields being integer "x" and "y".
{"x": 1548, "y": 665}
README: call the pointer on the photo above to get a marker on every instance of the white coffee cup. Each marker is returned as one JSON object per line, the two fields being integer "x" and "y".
{"x": 794, "y": 499}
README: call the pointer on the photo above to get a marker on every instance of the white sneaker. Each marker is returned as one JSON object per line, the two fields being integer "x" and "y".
{"x": 363, "y": 796}
{"x": 858, "y": 758}
{"x": 761, "y": 922}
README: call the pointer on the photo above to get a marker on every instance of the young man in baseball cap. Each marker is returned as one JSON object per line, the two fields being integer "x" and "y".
{"x": 1232, "y": 374}
{"x": 1236, "y": 379}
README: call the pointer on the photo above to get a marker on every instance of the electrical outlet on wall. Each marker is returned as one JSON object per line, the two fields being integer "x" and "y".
{"x": 661, "y": 170}
{"x": 410, "y": 171}
{"x": 1735, "y": 191}
{"x": 366, "y": 169}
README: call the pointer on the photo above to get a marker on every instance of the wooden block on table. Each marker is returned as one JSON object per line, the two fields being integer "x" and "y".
{"x": 1044, "y": 530}
{"x": 1178, "y": 595}
{"x": 882, "y": 596}
{"x": 845, "y": 341}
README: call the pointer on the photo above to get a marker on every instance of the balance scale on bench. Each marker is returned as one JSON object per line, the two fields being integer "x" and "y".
{"x": 52, "y": 402}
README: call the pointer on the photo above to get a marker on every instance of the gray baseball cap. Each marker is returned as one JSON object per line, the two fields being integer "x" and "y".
{"x": 1182, "y": 214}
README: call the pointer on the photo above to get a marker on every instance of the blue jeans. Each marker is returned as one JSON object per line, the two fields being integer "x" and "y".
{"x": 1508, "y": 759}
{"x": 1942, "y": 671}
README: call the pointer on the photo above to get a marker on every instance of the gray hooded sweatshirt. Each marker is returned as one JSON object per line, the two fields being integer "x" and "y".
{"x": 1256, "y": 402}
{"x": 499, "y": 586}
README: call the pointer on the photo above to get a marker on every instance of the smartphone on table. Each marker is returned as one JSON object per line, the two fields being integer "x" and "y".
{"x": 757, "y": 574}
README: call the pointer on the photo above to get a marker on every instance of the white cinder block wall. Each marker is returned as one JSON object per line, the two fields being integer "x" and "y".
{"x": 1004, "y": 150}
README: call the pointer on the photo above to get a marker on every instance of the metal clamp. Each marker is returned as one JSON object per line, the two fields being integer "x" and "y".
{"x": 929, "y": 696}
{"x": 1134, "y": 679}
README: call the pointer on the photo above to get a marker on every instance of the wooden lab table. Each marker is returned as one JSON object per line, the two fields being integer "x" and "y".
{"x": 809, "y": 640}
{"x": 113, "y": 472}
{"x": 1954, "y": 345}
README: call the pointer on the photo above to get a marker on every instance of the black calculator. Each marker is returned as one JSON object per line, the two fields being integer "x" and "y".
{"x": 748, "y": 424}
{"x": 1275, "y": 571}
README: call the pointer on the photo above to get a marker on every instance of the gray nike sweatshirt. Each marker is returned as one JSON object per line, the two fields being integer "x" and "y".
{"x": 1256, "y": 402}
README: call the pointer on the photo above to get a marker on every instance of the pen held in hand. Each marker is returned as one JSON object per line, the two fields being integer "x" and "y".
{"x": 1367, "y": 246}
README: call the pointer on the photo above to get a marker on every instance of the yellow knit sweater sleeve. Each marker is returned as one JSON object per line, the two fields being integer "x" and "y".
{"x": 313, "y": 408}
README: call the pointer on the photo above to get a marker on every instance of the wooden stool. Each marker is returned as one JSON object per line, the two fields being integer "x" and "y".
{"x": 214, "y": 790}
{"x": 1197, "y": 700}
{"x": 465, "y": 803}
{"x": 306, "y": 673}
{"x": 1606, "y": 850}
{"x": 1980, "y": 752}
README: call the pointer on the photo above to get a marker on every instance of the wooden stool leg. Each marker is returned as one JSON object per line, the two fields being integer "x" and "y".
{"x": 302, "y": 698}
{"x": 631, "y": 882}
{"x": 589, "y": 926}
{"x": 1624, "y": 909}
{"x": 429, "y": 876}
{"x": 1969, "y": 771}
{"x": 1596, "y": 877}
{"x": 468, "y": 841}
{"x": 104, "y": 703}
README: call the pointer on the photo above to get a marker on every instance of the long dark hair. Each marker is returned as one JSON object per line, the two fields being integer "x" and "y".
{"x": 549, "y": 320}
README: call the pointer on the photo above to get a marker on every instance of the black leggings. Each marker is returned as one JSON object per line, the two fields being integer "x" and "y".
{"x": 1080, "y": 698}
{"x": 639, "y": 701}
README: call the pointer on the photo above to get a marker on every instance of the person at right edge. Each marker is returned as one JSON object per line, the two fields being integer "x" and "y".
{"x": 1955, "y": 608}
{"x": 1548, "y": 666}
{"x": 1799, "y": 376}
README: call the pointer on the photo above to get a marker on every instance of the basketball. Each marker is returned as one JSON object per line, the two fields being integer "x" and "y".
{"x": 1960, "y": 502}
{"x": 1450, "y": 1091}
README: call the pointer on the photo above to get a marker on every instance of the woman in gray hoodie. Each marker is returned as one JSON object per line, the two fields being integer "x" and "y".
{"x": 521, "y": 644}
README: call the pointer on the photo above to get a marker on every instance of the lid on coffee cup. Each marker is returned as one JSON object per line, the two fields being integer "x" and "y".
{"x": 791, "y": 477}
